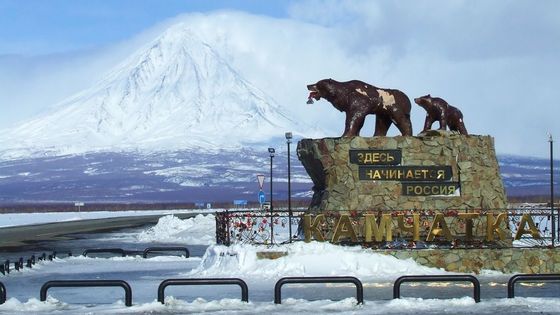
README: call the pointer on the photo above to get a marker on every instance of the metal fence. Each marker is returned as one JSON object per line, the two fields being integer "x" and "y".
{"x": 302, "y": 280}
{"x": 87, "y": 284}
{"x": 260, "y": 227}
{"x": 535, "y": 278}
{"x": 256, "y": 227}
{"x": 160, "y": 250}
{"x": 437, "y": 278}
{"x": 203, "y": 281}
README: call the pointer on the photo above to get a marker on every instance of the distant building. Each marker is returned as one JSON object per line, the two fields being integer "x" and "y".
{"x": 240, "y": 203}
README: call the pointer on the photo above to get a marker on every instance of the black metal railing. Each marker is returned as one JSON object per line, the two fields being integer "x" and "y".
{"x": 165, "y": 249}
{"x": 286, "y": 280}
{"x": 122, "y": 252}
{"x": 5, "y": 267}
{"x": 18, "y": 265}
{"x": 204, "y": 281}
{"x": 437, "y": 278}
{"x": 2, "y": 293}
{"x": 88, "y": 283}
{"x": 29, "y": 263}
{"x": 529, "y": 278}
{"x": 119, "y": 251}
{"x": 539, "y": 278}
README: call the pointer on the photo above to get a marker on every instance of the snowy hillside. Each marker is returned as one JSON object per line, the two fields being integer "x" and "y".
{"x": 175, "y": 93}
{"x": 176, "y": 176}
{"x": 187, "y": 176}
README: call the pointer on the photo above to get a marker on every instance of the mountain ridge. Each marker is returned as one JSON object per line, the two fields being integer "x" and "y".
{"x": 191, "y": 176}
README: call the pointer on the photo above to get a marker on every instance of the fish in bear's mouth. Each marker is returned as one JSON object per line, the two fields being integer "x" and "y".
{"x": 313, "y": 94}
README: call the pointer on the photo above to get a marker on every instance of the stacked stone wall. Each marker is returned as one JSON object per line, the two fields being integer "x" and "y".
{"x": 506, "y": 260}
{"x": 338, "y": 187}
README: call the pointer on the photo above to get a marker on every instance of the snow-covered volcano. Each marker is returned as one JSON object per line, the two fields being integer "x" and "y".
{"x": 177, "y": 92}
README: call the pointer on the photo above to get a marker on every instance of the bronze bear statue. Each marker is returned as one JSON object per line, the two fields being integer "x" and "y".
{"x": 438, "y": 109}
{"x": 359, "y": 99}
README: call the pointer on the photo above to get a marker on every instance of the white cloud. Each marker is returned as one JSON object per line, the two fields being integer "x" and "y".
{"x": 495, "y": 60}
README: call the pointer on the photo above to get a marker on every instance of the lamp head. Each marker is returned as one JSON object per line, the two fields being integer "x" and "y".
{"x": 288, "y": 135}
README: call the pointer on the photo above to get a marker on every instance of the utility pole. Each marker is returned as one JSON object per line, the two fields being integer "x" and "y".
{"x": 271, "y": 151}
{"x": 290, "y": 214}
{"x": 552, "y": 190}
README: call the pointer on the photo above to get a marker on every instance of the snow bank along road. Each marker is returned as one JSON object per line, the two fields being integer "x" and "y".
{"x": 11, "y": 237}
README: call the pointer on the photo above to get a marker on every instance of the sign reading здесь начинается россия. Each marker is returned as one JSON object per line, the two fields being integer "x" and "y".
{"x": 384, "y": 165}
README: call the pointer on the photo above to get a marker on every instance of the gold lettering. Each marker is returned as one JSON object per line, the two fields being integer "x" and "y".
{"x": 432, "y": 174}
{"x": 373, "y": 158}
{"x": 439, "y": 227}
{"x": 409, "y": 189}
{"x": 430, "y": 190}
{"x": 468, "y": 217}
{"x": 526, "y": 219}
{"x": 344, "y": 229}
{"x": 414, "y": 228}
{"x": 409, "y": 174}
{"x": 493, "y": 226}
{"x": 385, "y": 227}
{"x": 313, "y": 228}
{"x": 373, "y": 174}
{"x": 361, "y": 158}
{"x": 440, "y": 174}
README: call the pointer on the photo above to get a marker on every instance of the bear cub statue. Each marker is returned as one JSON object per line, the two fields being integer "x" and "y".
{"x": 438, "y": 109}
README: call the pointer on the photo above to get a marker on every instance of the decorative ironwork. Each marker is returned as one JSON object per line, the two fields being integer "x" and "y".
{"x": 254, "y": 227}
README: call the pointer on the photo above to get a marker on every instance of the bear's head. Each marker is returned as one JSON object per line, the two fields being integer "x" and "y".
{"x": 325, "y": 88}
{"x": 424, "y": 101}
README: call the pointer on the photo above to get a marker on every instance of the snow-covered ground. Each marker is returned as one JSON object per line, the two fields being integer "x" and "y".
{"x": 377, "y": 272}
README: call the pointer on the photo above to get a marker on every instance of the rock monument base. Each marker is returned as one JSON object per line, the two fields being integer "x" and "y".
{"x": 437, "y": 170}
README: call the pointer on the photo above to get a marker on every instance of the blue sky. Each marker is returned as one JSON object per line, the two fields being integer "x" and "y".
{"x": 34, "y": 27}
{"x": 495, "y": 60}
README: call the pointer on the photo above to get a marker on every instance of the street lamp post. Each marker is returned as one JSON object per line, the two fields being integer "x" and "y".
{"x": 288, "y": 141}
{"x": 552, "y": 190}
{"x": 271, "y": 151}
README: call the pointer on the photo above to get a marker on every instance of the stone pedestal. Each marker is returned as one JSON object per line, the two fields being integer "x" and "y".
{"x": 438, "y": 170}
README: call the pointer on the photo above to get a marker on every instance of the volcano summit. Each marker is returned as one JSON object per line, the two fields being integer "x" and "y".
{"x": 177, "y": 92}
